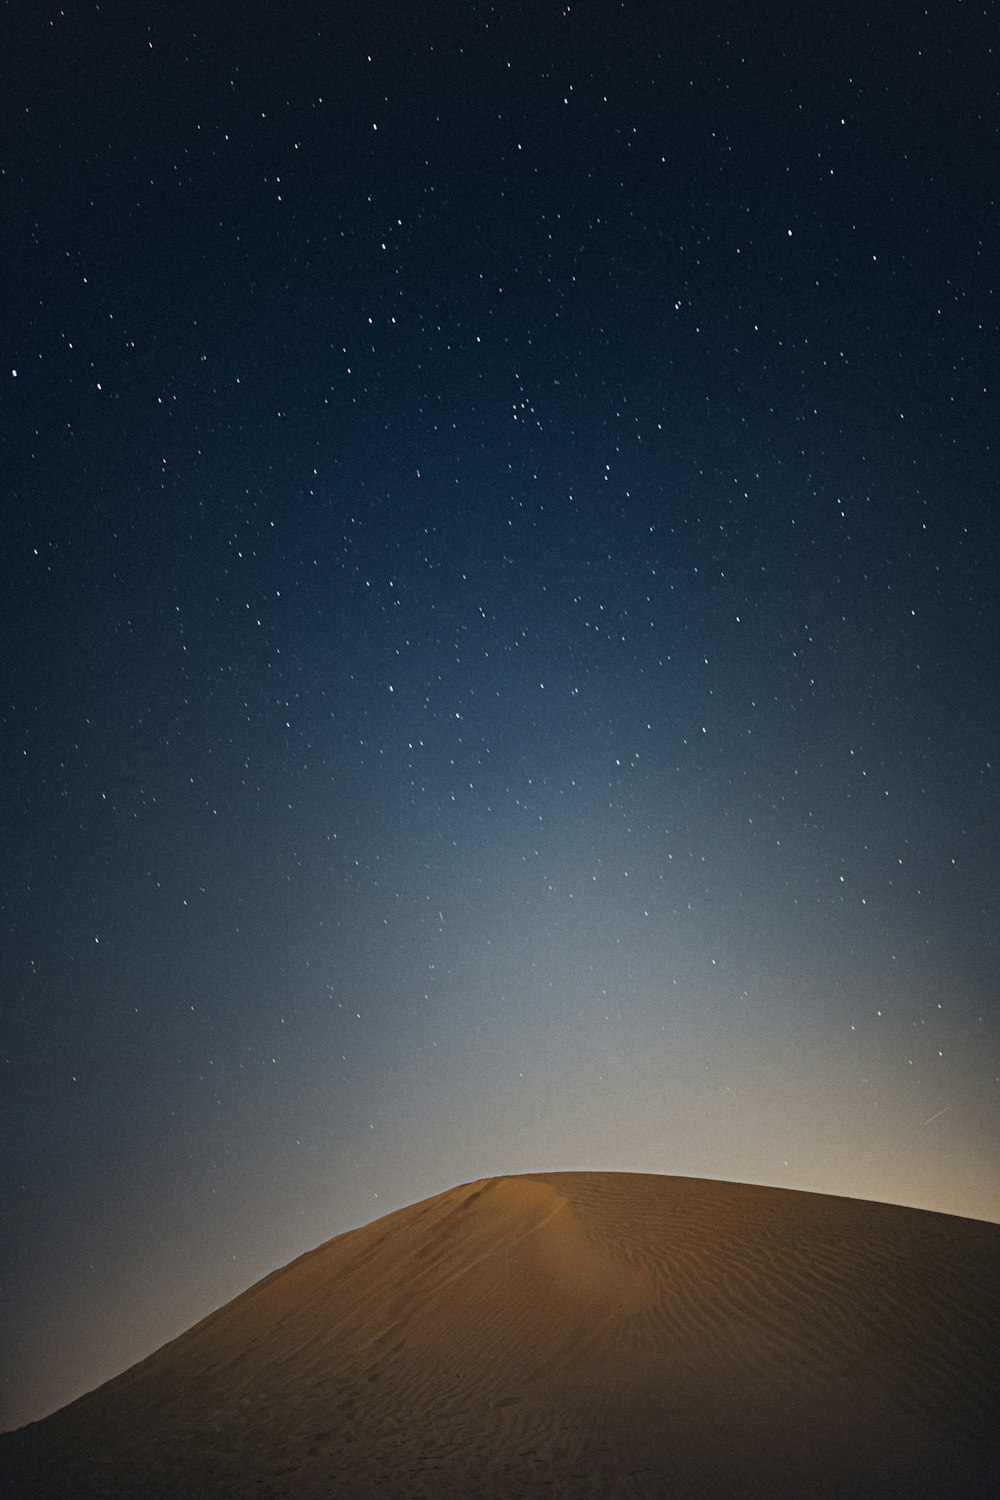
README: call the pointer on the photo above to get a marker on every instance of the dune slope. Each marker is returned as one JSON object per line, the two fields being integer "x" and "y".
{"x": 571, "y": 1334}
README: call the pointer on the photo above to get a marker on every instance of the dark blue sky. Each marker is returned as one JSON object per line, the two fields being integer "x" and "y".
{"x": 500, "y": 618}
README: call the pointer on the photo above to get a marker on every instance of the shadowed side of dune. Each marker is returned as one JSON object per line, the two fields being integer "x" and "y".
{"x": 577, "y": 1334}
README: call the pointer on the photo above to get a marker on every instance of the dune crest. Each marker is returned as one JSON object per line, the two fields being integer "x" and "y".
{"x": 571, "y": 1334}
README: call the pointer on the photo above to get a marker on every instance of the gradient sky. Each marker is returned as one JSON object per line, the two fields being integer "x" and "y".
{"x": 501, "y": 618}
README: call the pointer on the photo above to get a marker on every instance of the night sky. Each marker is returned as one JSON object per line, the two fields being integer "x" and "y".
{"x": 500, "y": 623}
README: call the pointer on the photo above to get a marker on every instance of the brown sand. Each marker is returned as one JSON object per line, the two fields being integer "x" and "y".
{"x": 571, "y": 1334}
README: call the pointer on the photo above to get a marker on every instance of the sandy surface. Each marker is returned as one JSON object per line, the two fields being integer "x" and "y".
{"x": 571, "y": 1334}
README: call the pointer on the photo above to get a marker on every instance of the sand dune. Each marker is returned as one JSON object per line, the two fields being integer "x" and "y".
{"x": 571, "y": 1334}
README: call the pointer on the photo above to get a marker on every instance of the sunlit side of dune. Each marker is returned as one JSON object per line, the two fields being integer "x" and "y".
{"x": 572, "y": 1334}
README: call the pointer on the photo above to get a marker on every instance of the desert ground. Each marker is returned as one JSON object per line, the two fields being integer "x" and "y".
{"x": 583, "y": 1334}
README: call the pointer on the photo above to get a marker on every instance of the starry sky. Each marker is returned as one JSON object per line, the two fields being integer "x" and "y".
{"x": 500, "y": 621}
